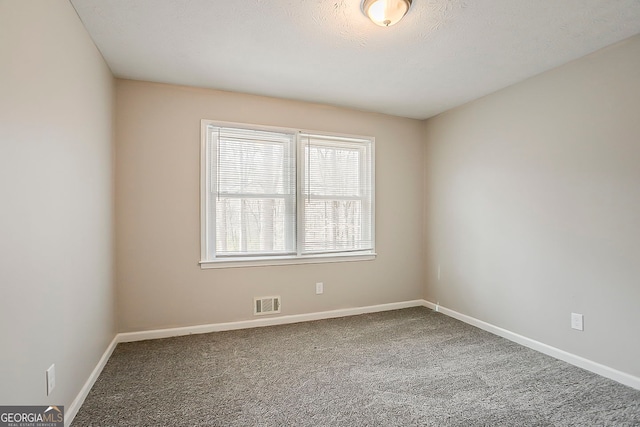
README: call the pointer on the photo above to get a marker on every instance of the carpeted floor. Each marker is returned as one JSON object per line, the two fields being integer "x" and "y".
{"x": 411, "y": 367}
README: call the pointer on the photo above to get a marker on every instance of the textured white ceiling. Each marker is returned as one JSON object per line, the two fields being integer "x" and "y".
{"x": 442, "y": 54}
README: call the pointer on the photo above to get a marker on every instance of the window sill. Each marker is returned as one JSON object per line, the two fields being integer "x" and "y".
{"x": 288, "y": 260}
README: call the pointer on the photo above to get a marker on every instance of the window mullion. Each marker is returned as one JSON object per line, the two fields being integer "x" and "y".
{"x": 300, "y": 199}
{"x": 289, "y": 165}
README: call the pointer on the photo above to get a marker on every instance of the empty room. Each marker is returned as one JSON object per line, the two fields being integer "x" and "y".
{"x": 319, "y": 213}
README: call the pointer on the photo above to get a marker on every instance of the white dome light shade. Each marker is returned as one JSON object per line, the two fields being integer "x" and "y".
{"x": 385, "y": 12}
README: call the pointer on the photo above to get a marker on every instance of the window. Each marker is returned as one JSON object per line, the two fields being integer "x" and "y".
{"x": 277, "y": 196}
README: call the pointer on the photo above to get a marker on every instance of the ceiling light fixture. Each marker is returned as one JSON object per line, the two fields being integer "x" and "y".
{"x": 385, "y": 12}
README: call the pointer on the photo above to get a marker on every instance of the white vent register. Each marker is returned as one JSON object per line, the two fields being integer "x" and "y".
{"x": 266, "y": 305}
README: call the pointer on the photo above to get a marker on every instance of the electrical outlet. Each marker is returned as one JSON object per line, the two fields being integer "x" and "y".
{"x": 319, "y": 288}
{"x": 51, "y": 378}
{"x": 577, "y": 321}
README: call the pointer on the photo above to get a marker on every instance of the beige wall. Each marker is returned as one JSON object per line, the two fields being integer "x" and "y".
{"x": 532, "y": 207}
{"x": 160, "y": 283}
{"x": 57, "y": 302}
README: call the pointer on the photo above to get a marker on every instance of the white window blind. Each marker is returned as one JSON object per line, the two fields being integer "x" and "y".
{"x": 337, "y": 191}
{"x": 284, "y": 194}
{"x": 252, "y": 192}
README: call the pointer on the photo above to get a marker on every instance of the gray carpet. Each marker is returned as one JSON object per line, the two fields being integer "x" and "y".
{"x": 411, "y": 367}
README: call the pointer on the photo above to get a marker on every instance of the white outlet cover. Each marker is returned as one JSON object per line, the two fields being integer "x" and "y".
{"x": 577, "y": 321}
{"x": 319, "y": 288}
{"x": 51, "y": 378}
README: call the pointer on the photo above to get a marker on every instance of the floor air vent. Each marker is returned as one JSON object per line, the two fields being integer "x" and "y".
{"x": 266, "y": 305}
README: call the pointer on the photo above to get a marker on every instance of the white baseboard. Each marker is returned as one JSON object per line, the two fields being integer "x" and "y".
{"x": 71, "y": 412}
{"x": 581, "y": 362}
{"x": 256, "y": 323}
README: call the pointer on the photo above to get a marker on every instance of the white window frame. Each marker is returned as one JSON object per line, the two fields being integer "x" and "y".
{"x": 299, "y": 257}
